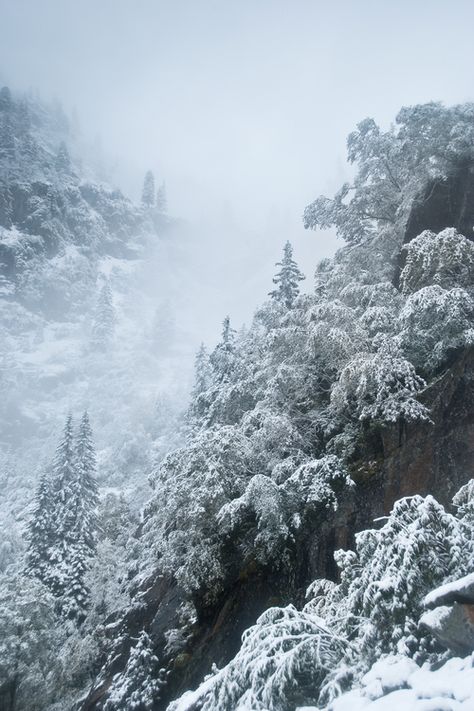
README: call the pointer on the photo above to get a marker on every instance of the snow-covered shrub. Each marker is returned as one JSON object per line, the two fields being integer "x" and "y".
{"x": 433, "y": 321}
{"x": 30, "y": 638}
{"x": 384, "y": 581}
{"x": 283, "y": 660}
{"x": 445, "y": 259}
{"x": 291, "y": 657}
{"x": 316, "y": 485}
{"x": 267, "y": 512}
{"x": 192, "y": 484}
{"x": 379, "y": 386}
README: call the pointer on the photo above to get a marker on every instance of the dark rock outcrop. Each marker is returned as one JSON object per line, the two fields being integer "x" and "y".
{"x": 447, "y": 202}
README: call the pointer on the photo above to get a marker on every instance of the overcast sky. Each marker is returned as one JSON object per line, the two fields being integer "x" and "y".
{"x": 243, "y": 106}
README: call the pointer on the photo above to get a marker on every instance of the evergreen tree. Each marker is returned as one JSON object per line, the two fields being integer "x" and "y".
{"x": 148, "y": 192}
{"x": 138, "y": 687}
{"x": 222, "y": 358}
{"x": 63, "y": 160}
{"x": 287, "y": 278}
{"x": 86, "y": 489}
{"x": 75, "y": 593}
{"x": 61, "y": 506}
{"x": 63, "y": 475}
{"x": 40, "y": 530}
{"x": 7, "y": 137}
{"x": 62, "y": 533}
{"x": 104, "y": 322}
{"x": 5, "y": 99}
{"x": 202, "y": 382}
{"x": 202, "y": 372}
{"x": 161, "y": 200}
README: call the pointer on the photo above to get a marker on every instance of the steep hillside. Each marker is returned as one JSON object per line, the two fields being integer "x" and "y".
{"x": 305, "y": 428}
{"x": 77, "y": 309}
{"x": 350, "y": 404}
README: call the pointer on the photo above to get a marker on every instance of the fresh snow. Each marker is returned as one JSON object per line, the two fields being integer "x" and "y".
{"x": 398, "y": 684}
{"x": 460, "y": 590}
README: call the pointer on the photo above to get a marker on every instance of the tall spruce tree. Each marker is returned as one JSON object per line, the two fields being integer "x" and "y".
{"x": 148, "y": 192}
{"x": 41, "y": 529}
{"x": 62, "y": 532}
{"x": 202, "y": 381}
{"x": 287, "y": 279}
{"x": 223, "y": 356}
{"x": 139, "y": 686}
{"x": 104, "y": 320}
{"x": 202, "y": 372}
{"x": 63, "y": 160}
{"x": 86, "y": 490}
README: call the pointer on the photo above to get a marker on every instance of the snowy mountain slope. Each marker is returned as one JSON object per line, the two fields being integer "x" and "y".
{"x": 305, "y": 427}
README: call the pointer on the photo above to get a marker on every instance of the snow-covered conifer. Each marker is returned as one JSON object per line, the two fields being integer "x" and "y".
{"x": 148, "y": 192}
{"x": 138, "y": 687}
{"x": 222, "y": 358}
{"x": 63, "y": 160}
{"x": 287, "y": 279}
{"x": 86, "y": 490}
{"x": 104, "y": 320}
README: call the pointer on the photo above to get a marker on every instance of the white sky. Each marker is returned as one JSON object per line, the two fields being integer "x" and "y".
{"x": 242, "y": 105}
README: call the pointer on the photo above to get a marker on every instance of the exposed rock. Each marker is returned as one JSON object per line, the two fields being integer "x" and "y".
{"x": 443, "y": 203}
{"x": 453, "y": 627}
{"x": 459, "y": 591}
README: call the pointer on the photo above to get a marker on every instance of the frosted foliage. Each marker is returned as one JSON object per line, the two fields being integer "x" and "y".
{"x": 445, "y": 259}
{"x": 464, "y": 503}
{"x": 291, "y": 658}
{"x": 382, "y": 386}
{"x": 384, "y": 582}
{"x": 29, "y": 640}
{"x": 137, "y": 689}
{"x": 263, "y": 498}
{"x": 433, "y": 321}
{"x": 287, "y": 279}
{"x": 392, "y": 167}
{"x": 282, "y": 662}
{"x": 192, "y": 485}
{"x": 316, "y": 484}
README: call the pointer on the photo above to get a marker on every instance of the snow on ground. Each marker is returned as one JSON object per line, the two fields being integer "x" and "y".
{"x": 398, "y": 684}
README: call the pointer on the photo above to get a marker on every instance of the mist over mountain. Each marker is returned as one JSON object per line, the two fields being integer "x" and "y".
{"x": 236, "y": 463}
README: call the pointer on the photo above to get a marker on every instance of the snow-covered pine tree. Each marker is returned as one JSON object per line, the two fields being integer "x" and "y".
{"x": 62, "y": 478}
{"x": 104, "y": 321}
{"x": 75, "y": 595}
{"x": 40, "y": 529}
{"x": 202, "y": 372}
{"x": 63, "y": 160}
{"x": 202, "y": 381}
{"x": 287, "y": 278}
{"x": 138, "y": 687}
{"x": 63, "y": 470}
{"x": 148, "y": 191}
{"x": 62, "y": 533}
{"x": 222, "y": 357}
{"x": 161, "y": 199}
{"x": 86, "y": 484}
